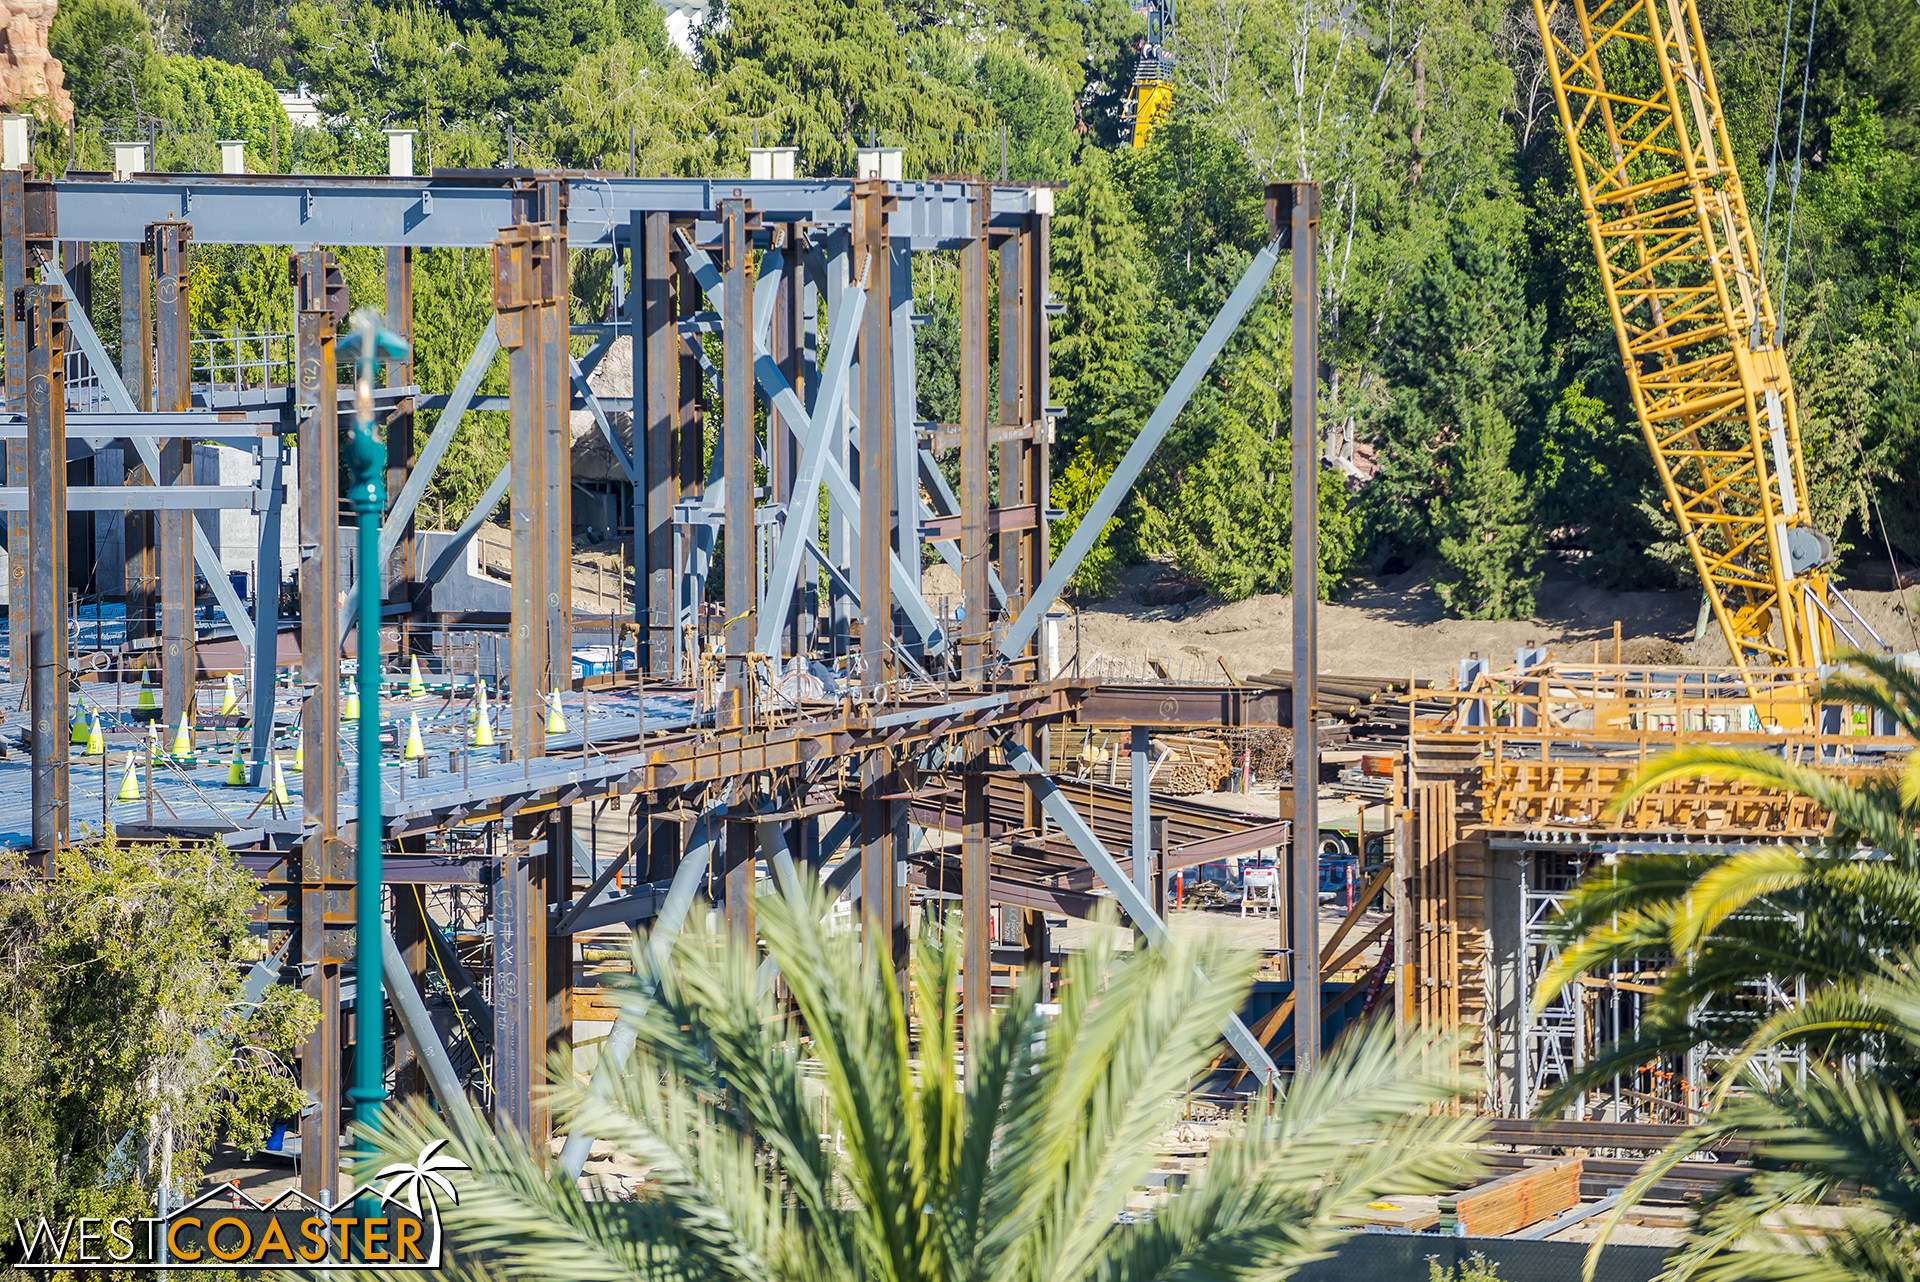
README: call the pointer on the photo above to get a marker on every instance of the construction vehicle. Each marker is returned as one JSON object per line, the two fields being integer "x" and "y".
{"x": 1702, "y": 345}
{"x": 1150, "y": 97}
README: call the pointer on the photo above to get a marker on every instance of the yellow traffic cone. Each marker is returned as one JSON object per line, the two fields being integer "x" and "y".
{"x": 129, "y": 782}
{"x": 483, "y": 728}
{"x": 183, "y": 740}
{"x": 416, "y": 688}
{"x": 77, "y": 728}
{"x": 415, "y": 748}
{"x": 299, "y": 765}
{"x": 350, "y": 710}
{"x": 230, "y": 701}
{"x": 556, "y": 719}
{"x": 279, "y": 782}
{"x": 96, "y": 742}
{"x": 146, "y": 692}
{"x": 479, "y": 704}
{"x": 236, "y": 769}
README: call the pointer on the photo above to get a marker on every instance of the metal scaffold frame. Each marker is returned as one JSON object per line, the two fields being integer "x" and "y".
{"x": 797, "y": 679}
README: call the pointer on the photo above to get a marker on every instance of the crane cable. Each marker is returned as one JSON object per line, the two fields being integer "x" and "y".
{"x": 1793, "y": 182}
{"x": 1773, "y": 166}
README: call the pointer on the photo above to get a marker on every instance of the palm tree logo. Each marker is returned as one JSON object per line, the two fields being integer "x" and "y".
{"x": 424, "y": 1172}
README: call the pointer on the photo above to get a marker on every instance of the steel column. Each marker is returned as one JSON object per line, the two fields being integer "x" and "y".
{"x": 266, "y": 651}
{"x": 658, "y": 340}
{"x": 842, "y": 273}
{"x": 1013, "y": 471}
{"x": 408, "y": 938}
{"x": 976, "y": 630}
{"x": 319, "y": 304}
{"x": 1142, "y": 813}
{"x": 45, "y": 326}
{"x": 1304, "y": 199}
{"x": 520, "y": 980}
{"x": 136, "y": 366}
{"x": 975, "y": 911}
{"x": 736, "y": 444}
{"x": 691, "y": 453}
{"x": 555, "y": 440}
{"x": 173, "y": 392}
{"x": 559, "y": 949}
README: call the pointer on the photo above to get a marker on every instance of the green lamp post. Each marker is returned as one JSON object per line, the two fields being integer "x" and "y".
{"x": 369, "y": 343}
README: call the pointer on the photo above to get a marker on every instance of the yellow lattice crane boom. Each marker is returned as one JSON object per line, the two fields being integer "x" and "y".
{"x": 1150, "y": 96}
{"x": 1683, "y": 276}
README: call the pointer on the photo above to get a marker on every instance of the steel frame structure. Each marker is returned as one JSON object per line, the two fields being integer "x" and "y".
{"x": 793, "y": 295}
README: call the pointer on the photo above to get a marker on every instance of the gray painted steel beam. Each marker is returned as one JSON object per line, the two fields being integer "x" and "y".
{"x": 425, "y": 1041}
{"x": 266, "y": 658}
{"x": 471, "y": 526}
{"x": 1108, "y": 501}
{"x": 1108, "y": 870}
{"x": 135, "y": 498}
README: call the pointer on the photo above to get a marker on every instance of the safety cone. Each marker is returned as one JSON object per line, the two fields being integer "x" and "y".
{"x": 129, "y": 782}
{"x": 350, "y": 710}
{"x": 479, "y": 704}
{"x": 483, "y": 728}
{"x": 77, "y": 728}
{"x": 236, "y": 769}
{"x": 556, "y": 719}
{"x": 96, "y": 742}
{"x": 146, "y": 692}
{"x": 299, "y": 765}
{"x": 415, "y": 748}
{"x": 230, "y": 701}
{"x": 182, "y": 740}
{"x": 279, "y": 782}
{"x": 416, "y": 688}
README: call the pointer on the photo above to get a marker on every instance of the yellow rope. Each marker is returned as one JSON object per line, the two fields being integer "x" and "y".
{"x": 434, "y": 947}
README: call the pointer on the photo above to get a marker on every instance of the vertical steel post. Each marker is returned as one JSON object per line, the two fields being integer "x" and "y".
{"x": 557, "y": 951}
{"x": 1301, "y": 204}
{"x": 783, "y": 447}
{"x": 13, "y": 273}
{"x": 692, "y": 452}
{"x": 1013, "y": 472}
{"x": 976, "y": 629}
{"x": 410, "y": 939}
{"x": 41, "y": 312}
{"x": 136, "y": 366}
{"x": 266, "y": 631}
{"x": 319, "y": 303}
{"x": 843, "y": 256}
{"x": 520, "y": 979}
{"x": 173, "y": 393}
{"x": 880, "y": 906}
{"x": 554, "y": 440}
{"x": 521, "y": 278}
{"x": 975, "y": 909}
{"x": 651, "y": 295}
{"x": 1142, "y": 813}
{"x": 737, "y": 452}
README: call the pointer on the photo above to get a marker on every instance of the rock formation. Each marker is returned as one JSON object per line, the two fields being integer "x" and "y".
{"x": 29, "y": 75}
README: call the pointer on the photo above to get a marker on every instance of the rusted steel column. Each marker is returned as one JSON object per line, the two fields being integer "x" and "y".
{"x": 1300, "y": 203}
{"x": 520, "y": 979}
{"x": 554, "y": 440}
{"x": 41, "y": 312}
{"x": 13, "y": 272}
{"x": 558, "y": 952}
{"x": 136, "y": 371}
{"x": 524, "y": 279}
{"x": 977, "y": 999}
{"x": 976, "y": 630}
{"x": 173, "y": 393}
{"x": 320, "y": 304}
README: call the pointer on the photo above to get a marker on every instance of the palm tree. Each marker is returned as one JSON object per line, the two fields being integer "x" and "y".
{"x": 849, "y": 1151}
{"x": 1818, "y": 919}
{"x": 1848, "y": 1136}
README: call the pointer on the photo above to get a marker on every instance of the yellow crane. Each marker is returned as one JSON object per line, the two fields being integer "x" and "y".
{"x": 1702, "y": 346}
{"x": 1150, "y": 97}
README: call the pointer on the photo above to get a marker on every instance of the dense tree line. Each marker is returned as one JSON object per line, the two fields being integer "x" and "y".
{"x": 1469, "y": 366}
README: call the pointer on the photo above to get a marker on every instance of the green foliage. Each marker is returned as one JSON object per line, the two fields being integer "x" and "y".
{"x": 1489, "y": 542}
{"x": 1074, "y": 489}
{"x": 111, "y": 60}
{"x": 124, "y": 1052}
{"x": 543, "y": 39}
{"x": 1096, "y": 277}
{"x": 232, "y": 102}
{"x": 408, "y": 63}
{"x": 623, "y": 93}
{"x": 452, "y": 304}
{"x": 1476, "y": 1269}
{"x": 859, "y": 1151}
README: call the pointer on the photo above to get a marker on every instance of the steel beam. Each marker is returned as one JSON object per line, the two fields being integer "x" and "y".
{"x": 482, "y": 511}
{"x": 1135, "y": 905}
{"x": 1302, "y": 205}
{"x": 320, "y": 1061}
{"x": 396, "y": 559}
{"x": 266, "y": 658}
{"x": 136, "y": 368}
{"x": 657, "y": 343}
{"x": 975, "y": 911}
{"x": 520, "y": 980}
{"x": 45, "y": 330}
{"x": 173, "y": 392}
{"x": 417, "y": 1025}
{"x": 1128, "y": 470}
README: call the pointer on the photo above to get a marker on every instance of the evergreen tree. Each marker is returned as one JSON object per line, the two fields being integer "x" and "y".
{"x": 1464, "y": 336}
{"x": 1488, "y": 539}
{"x": 410, "y": 63}
{"x": 111, "y": 60}
{"x": 1097, "y": 340}
{"x": 543, "y": 39}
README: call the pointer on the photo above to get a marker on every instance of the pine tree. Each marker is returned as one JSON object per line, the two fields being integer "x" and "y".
{"x": 1488, "y": 538}
{"x": 1096, "y": 344}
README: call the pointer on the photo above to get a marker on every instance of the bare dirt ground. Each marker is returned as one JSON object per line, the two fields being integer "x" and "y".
{"x": 598, "y": 583}
{"x": 1393, "y": 626}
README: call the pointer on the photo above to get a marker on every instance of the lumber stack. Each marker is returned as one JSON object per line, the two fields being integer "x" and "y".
{"x": 1513, "y": 1202}
{"x": 1188, "y": 764}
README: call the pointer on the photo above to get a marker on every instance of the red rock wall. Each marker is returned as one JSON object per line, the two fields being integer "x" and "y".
{"x": 29, "y": 75}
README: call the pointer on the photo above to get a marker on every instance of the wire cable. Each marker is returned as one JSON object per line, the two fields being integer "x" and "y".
{"x": 1773, "y": 165}
{"x": 433, "y": 946}
{"x": 1793, "y": 183}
